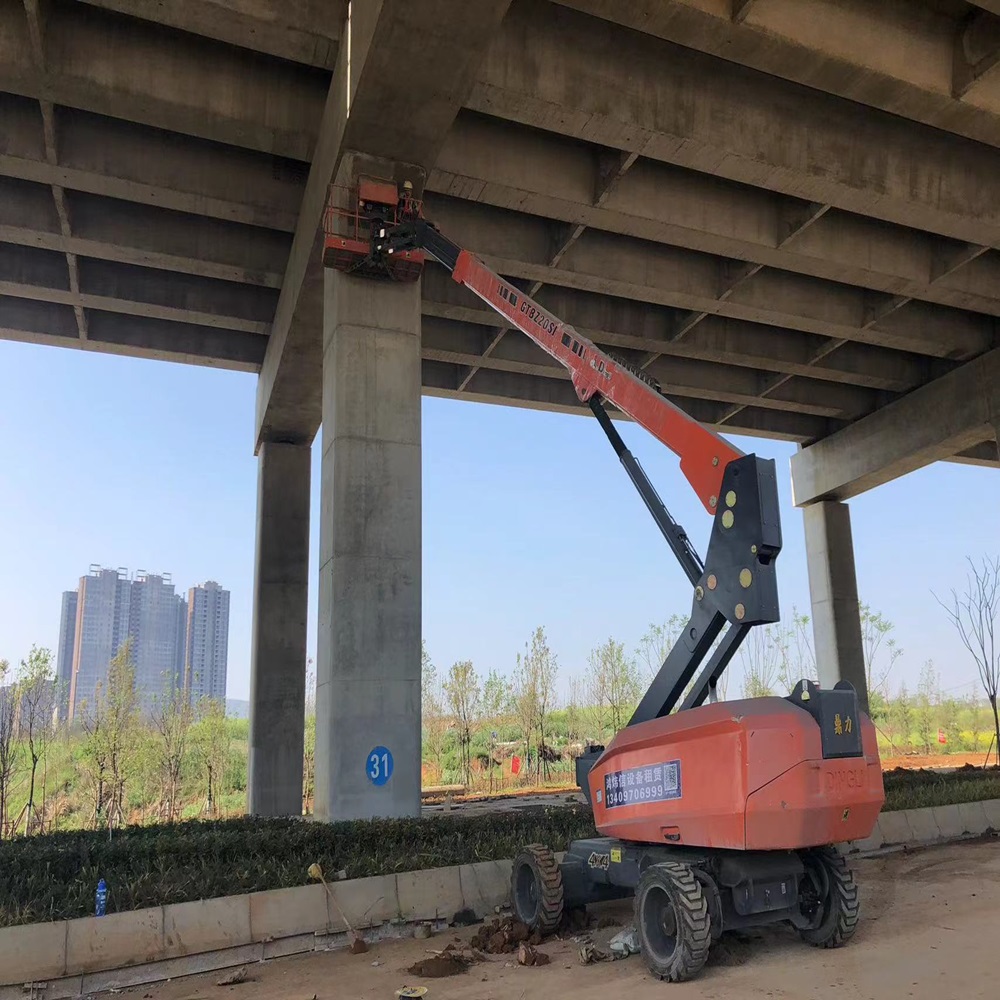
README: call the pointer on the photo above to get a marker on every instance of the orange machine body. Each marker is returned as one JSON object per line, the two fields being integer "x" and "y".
{"x": 741, "y": 775}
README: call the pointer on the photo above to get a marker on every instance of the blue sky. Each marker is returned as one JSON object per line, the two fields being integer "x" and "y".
{"x": 528, "y": 518}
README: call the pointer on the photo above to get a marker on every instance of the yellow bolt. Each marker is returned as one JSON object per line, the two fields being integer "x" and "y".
{"x": 727, "y": 519}
{"x": 712, "y": 582}
{"x": 740, "y": 611}
{"x": 753, "y": 550}
{"x": 712, "y": 501}
{"x": 746, "y": 578}
{"x": 715, "y": 461}
{"x": 699, "y": 592}
{"x": 731, "y": 498}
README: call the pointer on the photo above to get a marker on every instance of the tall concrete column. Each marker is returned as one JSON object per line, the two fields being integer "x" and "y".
{"x": 278, "y": 654}
{"x": 833, "y": 587}
{"x": 368, "y": 669}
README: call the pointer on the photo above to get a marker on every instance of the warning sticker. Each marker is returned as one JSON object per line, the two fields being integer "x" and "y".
{"x": 643, "y": 784}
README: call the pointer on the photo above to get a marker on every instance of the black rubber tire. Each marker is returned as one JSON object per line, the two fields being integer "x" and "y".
{"x": 672, "y": 921}
{"x": 536, "y": 889}
{"x": 841, "y": 906}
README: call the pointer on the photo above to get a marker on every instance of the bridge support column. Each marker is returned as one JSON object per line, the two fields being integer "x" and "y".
{"x": 278, "y": 653}
{"x": 833, "y": 587}
{"x": 368, "y": 669}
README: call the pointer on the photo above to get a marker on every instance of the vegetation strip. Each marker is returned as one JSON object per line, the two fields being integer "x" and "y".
{"x": 54, "y": 877}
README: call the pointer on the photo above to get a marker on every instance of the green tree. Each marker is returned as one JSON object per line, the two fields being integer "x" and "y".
{"x": 431, "y": 708}
{"x": 171, "y": 719}
{"x": 902, "y": 712}
{"x": 951, "y": 725}
{"x": 927, "y": 698}
{"x": 211, "y": 741}
{"x": 616, "y": 677}
{"x": 799, "y": 655}
{"x": 37, "y": 702}
{"x": 496, "y": 702}
{"x": 10, "y": 757}
{"x": 880, "y": 649}
{"x": 574, "y": 721}
{"x": 463, "y": 693}
{"x": 974, "y": 615}
{"x": 657, "y": 641}
{"x": 763, "y": 654}
{"x": 110, "y": 724}
{"x": 534, "y": 693}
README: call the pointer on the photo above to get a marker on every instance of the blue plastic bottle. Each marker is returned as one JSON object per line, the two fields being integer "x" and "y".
{"x": 102, "y": 899}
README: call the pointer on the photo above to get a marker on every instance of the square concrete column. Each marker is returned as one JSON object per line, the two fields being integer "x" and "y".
{"x": 278, "y": 654}
{"x": 368, "y": 668}
{"x": 833, "y": 587}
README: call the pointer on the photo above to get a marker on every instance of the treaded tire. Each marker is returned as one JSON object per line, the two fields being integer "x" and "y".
{"x": 536, "y": 889}
{"x": 841, "y": 907}
{"x": 672, "y": 921}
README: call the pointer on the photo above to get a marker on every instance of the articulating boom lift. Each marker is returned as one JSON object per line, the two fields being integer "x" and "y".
{"x": 715, "y": 816}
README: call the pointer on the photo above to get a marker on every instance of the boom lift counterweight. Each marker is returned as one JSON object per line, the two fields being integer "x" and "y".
{"x": 715, "y": 816}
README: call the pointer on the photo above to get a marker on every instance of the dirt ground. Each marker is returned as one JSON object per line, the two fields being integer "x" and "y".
{"x": 951, "y": 760}
{"x": 928, "y": 930}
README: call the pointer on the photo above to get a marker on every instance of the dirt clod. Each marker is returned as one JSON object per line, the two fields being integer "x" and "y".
{"x": 438, "y": 966}
{"x": 358, "y": 945}
{"x": 241, "y": 975}
{"x": 503, "y": 937}
{"x": 528, "y": 954}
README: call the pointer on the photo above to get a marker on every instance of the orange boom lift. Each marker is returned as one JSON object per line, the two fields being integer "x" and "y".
{"x": 715, "y": 815}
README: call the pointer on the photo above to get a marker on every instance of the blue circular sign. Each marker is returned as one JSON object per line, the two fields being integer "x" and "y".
{"x": 379, "y": 765}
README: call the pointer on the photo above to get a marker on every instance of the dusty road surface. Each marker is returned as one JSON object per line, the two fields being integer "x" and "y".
{"x": 929, "y": 930}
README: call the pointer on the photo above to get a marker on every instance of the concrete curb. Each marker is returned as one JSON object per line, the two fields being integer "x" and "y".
{"x": 75, "y": 958}
{"x": 924, "y": 827}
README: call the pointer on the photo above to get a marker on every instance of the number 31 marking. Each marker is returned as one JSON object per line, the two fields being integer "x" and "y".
{"x": 379, "y": 767}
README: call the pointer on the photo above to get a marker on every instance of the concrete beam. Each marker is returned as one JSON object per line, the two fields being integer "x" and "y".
{"x": 394, "y": 96}
{"x": 934, "y": 422}
{"x": 142, "y": 235}
{"x": 621, "y": 324}
{"x": 303, "y": 31}
{"x": 33, "y": 273}
{"x": 977, "y": 53}
{"x": 894, "y": 55}
{"x": 52, "y": 324}
{"x": 460, "y": 344}
{"x": 518, "y": 245}
{"x": 502, "y": 164}
{"x": 558, "y": 396}
{"x": 552, "y": 68}
{"x": 99, "y": 61}
{"x": 129, "y": 162}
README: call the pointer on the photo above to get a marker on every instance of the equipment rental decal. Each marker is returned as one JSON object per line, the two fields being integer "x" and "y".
{"x": 643, "y": 784}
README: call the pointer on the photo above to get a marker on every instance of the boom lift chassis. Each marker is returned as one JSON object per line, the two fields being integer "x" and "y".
{"x": 718, "y": 816}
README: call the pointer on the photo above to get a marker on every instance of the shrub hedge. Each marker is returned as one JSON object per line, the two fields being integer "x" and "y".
{"x": 55, "y": 876}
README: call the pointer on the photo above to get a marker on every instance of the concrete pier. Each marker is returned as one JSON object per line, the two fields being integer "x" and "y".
{"x": 278, "y": 652}
{"x": 368, "y": 671}
{"x": 833, "y": 587}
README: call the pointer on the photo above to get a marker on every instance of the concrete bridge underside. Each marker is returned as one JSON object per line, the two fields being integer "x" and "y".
{"x": 787, "y": 211}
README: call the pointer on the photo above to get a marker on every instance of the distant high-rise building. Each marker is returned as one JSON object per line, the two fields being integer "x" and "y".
{"x": 109, "y": 608}
{"x": 207, "y": 641}
{"x": 64, "y": 657}
{"x": 181, "y": 612}
{"x": 153, "y": 613}
{"x": 102, "y": 625}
